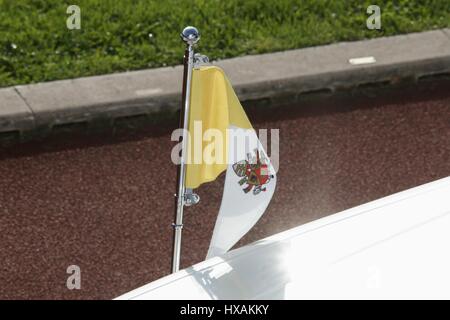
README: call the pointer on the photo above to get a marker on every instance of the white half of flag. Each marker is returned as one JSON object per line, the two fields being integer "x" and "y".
{"x": 249, "y": 186}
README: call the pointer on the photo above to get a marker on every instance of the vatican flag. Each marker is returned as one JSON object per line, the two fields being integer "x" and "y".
{"x": 227, "y": 142}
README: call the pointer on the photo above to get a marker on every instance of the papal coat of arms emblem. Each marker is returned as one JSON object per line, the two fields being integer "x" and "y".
{"x": 254, "y": 172}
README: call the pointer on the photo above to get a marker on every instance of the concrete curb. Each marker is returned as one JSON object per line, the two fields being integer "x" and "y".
{"x": 281, "y": 75}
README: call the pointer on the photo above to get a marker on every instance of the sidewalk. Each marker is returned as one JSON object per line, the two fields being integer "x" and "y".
{"x": 282, "y": 75}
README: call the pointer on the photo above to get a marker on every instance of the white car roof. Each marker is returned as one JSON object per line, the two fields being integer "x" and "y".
{"x": 394, "y": 247}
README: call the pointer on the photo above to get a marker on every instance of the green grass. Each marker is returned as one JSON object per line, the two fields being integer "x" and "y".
{"x": 35, "y": 44}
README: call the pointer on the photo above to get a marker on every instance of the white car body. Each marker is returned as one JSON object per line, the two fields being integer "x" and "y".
{"x": 397, "y": 247}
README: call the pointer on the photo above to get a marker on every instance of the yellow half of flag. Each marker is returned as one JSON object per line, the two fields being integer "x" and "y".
{"x": 214, "y": 105}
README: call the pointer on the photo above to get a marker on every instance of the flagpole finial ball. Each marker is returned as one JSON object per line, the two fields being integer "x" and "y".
{"x": 190, "y": 35}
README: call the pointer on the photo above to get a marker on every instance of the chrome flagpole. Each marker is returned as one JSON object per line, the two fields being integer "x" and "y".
{"x": 190, "y": 36}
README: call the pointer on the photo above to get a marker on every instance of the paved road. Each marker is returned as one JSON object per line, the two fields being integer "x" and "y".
{"x": 105, "y": 202}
